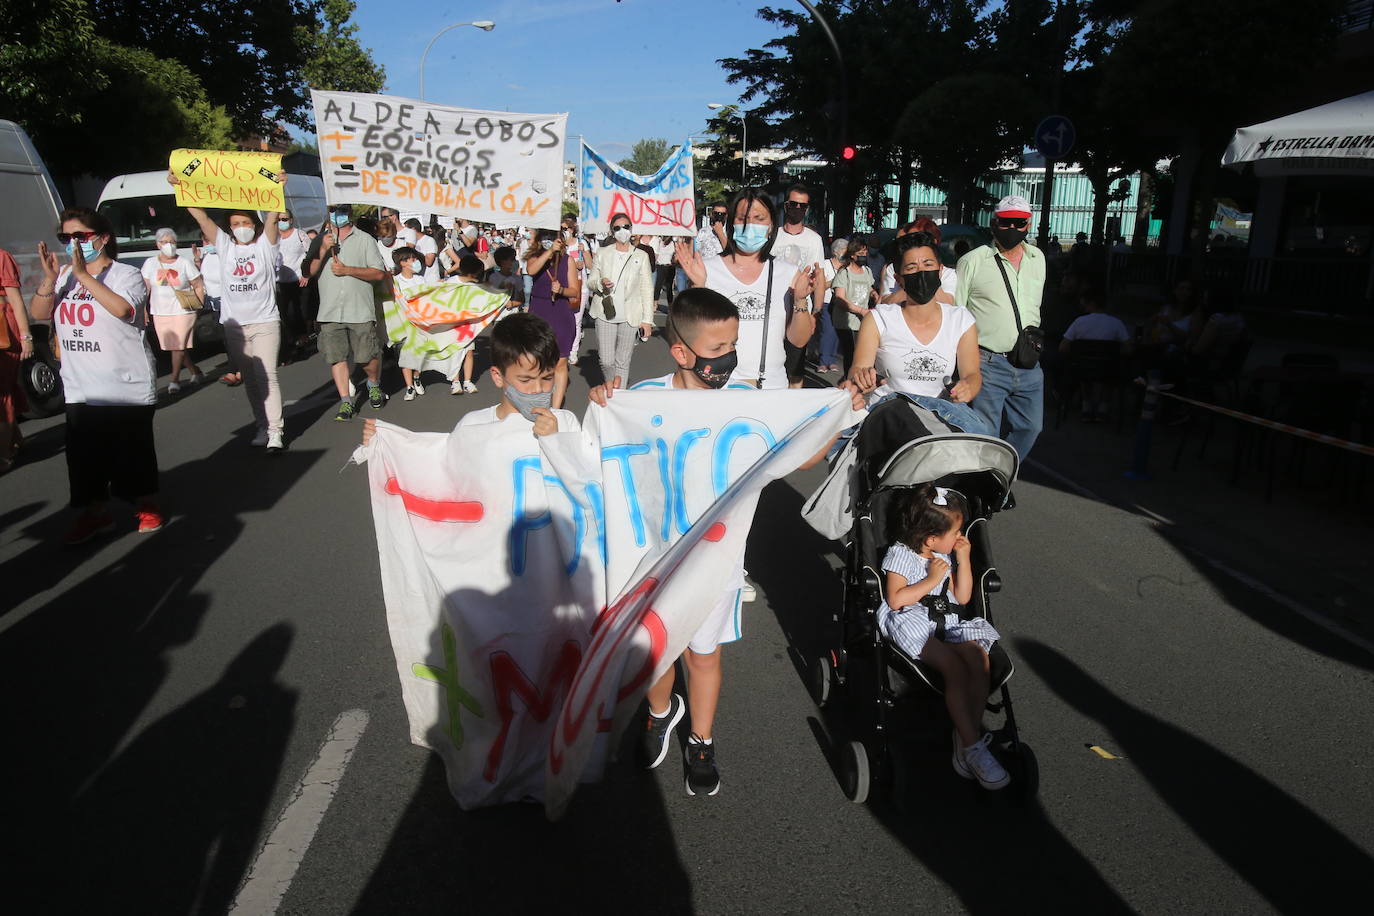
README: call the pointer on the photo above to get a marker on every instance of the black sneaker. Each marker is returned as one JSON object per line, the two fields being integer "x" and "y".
{"x": 345, "y": 411}
{"x": 659, "y": 732}
{"x": 702, "y": 776}
{"x": 375, "y": 396}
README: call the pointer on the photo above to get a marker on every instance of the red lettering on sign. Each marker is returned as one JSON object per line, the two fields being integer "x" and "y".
{"x": 436, "y": 510}
{"x": 508, "y": 679}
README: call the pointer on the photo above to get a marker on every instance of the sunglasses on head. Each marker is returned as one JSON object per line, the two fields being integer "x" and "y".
{"x": 1011, "y": 223}
{"x": 65, "y": 237}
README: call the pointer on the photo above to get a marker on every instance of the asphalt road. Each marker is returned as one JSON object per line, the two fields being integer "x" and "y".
{"x": 166, "y": 694}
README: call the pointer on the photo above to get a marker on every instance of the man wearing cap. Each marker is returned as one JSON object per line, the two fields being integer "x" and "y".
{"x": 1011, "y": 399}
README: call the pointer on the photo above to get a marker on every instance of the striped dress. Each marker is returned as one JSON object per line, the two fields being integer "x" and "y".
{"x": 911, "y": 626}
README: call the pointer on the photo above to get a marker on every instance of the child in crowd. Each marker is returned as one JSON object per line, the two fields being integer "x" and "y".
{"x": 702, "y": 331}
{"x": 470, "y": 270}
{"x": 524, "y": 353}
{"x": 928, "y": 577}
{"x": 408, "y": 278}
{"x": 505, "y": 278}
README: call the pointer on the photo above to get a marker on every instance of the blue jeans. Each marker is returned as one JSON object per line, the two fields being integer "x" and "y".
{"x": 830, "y": 341}
{"x": 680, "y": 282}
{"x": 1012, "y": 401}
{"x": 955, "y": 414}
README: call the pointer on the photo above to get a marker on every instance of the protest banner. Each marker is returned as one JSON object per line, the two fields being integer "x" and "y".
{"x": 228, "y": 179}
{"x": 663, "y": 203}
{"x": 498, "y": 552}
{"x": 485, "y": 166}
{"x": 451, "y": 315}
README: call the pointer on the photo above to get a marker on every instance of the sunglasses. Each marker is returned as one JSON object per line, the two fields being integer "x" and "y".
{"x": 65, "y": 237}
{"x": 1011, "y": 223}
{"x": 795, "y": 205}
{"x": 619, "y": 227}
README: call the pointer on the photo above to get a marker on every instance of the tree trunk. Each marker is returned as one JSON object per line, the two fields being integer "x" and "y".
{"x": 954, "y": 201}
{"x": 903, "y": 186}
{"x": 1140, "y": 237}
{"x": 1203, "y": 204}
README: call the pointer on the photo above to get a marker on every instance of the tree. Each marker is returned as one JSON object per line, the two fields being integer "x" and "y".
{"x": 334, "y": 59}
{"x": 647, "y": 156}
{"x": 571, "y": 208}
{"x": 40, "y": 41}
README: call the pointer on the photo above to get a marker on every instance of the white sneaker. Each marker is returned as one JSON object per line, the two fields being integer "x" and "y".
{"x": 469, "y": 387}
{"x": 198, "y": 378}
{"x": 274, "y": 443}
{"x": 748, "y": 593}
{"x": 960, "y": 765}
{"x": 260, "y": 439}
{"x": 419, "y": 387}
{"x": 410, "y": 394}
{"x": 456, "y": 388}
{"x": 985, "y": 767}
{"x": 173, "y": 388}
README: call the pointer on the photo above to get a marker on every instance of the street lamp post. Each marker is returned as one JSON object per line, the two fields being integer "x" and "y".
{"x": 744, "y": 137}
{"x": 486, "y": 25}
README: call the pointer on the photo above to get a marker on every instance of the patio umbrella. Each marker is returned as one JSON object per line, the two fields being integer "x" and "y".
{"x": 1340, "y": 133}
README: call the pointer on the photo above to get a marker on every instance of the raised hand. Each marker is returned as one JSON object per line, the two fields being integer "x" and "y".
{"x": 547, "y": 424}
{"x": 47, "y": 260}
{"x": 689, "y": 259}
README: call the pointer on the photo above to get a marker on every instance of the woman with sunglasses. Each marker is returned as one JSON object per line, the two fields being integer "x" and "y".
{"x": 773, "y": 296}
{"x": 623, "y": 298}
{"x": 555, "y": 296}
{"x": 98, "y": 307}
{"x": 1001, "y": 284}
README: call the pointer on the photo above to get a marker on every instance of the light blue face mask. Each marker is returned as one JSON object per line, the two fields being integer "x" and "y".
{"x": 208, "y": 249}
{"x": 339, "y": 219}
{"x": 750, "y": 238}
{"x": 283, "y": 225}
{"x": 88, "y": 251}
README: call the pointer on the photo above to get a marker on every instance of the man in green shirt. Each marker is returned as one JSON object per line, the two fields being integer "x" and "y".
{"x": 1012, "y": 400}
{"x": 348, "y": 265}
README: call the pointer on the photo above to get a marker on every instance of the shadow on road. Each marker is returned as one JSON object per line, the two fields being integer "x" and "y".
{"x": 1285, "y": 851}
{"x": 996, "y": 857}
{"x": 81, "y": 671}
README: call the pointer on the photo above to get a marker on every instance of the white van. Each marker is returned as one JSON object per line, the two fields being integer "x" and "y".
{"x": 31, "y": 204}
{"x": 140, "y": 204}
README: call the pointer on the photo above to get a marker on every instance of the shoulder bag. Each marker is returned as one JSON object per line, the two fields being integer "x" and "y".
{"x": 1025, "y": 353}
{"x": 767, "y": 312}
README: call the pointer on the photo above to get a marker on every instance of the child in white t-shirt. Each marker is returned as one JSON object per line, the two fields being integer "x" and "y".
{"x": 1095, "y": 325}
{"x": 702, "y": 331}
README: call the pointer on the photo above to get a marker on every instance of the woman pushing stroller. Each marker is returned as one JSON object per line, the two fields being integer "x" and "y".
{"x": 929, "y": 576}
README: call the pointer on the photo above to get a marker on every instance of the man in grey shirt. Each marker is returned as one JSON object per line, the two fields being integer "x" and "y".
{"x": 349, "y": 266}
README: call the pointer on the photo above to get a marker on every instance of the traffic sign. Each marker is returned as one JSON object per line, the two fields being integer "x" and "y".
{"x": 1054, "y": 137}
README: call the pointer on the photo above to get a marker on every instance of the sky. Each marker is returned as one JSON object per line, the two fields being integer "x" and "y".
{"x": 623, "y": 71}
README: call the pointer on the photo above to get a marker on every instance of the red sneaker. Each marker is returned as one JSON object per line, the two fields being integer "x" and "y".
{"x": 149, "y": 520}
{"x": 88, "y": 526}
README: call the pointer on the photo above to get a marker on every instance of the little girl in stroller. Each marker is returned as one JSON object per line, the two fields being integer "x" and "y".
{"x": 928, "y": 570}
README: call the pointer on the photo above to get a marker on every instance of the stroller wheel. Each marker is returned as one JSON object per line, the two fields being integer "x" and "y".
{"x": 857, "y": 777}
{"x": 1025, "y": 775}
{"x": 821, "y": 679}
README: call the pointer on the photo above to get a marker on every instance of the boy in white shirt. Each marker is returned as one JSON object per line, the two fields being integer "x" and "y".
{"x": 702, "y": 331}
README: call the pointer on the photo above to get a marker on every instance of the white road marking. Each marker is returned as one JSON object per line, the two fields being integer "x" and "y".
{"x": 1302, "y": 610}
{"x": 281, "y": 855}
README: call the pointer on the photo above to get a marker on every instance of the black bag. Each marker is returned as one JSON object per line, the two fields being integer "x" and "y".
{"x": 1025, "y": 353}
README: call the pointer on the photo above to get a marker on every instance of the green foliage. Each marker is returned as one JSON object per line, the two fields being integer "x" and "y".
{"x": 334, "y": 59}
{"x": 571, "y": 208}
{"x": 305, "y": 145}
{"x": 647, "y": 156}
{"x": 39, "y": 41}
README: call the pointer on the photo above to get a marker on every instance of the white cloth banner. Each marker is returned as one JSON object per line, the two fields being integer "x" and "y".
{"x": 485, "y": 166}
{"x": 499, "y": 551}
{"x": 663, "y": 203}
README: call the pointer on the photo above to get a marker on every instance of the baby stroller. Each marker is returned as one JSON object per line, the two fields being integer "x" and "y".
{"x": 893, "y": 699}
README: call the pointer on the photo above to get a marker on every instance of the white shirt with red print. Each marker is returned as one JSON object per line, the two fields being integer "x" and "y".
{"x": 106, "y": 361}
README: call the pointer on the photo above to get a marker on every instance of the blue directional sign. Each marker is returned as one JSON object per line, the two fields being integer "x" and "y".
{"x": 1054, "y": 137}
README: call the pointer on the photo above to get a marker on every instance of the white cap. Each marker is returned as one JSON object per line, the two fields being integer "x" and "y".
{"x": 1013, "y": 206}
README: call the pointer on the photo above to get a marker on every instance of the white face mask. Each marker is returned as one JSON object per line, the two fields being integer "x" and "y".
{"x": 168, "y": 248}
{"x": 622, "y": 236}
{"x": 243, "y": 234}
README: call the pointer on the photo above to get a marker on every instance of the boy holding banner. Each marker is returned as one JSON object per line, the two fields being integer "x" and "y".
{"x": 702, "y": 332}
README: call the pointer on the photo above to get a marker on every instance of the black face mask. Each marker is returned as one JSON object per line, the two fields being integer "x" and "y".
{"x": 861, "y": 259}
{"x": 717, "y": 218}
{"x": 716, "y": 372}
{"x": 1009, "y": 238}
{"x": 794, "y": 216}
{"x": 921, "y": 286}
